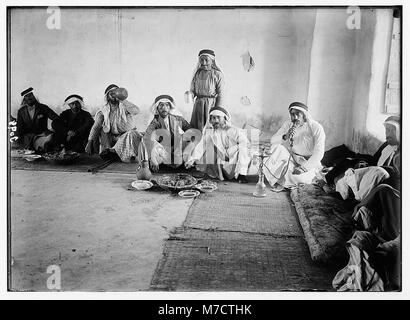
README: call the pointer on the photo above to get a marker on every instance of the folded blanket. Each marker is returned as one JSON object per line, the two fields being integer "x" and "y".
{"x": 360, "y": 181}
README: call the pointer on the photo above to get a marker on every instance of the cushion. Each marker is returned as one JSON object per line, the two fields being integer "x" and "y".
{"x": 326, "y": 221}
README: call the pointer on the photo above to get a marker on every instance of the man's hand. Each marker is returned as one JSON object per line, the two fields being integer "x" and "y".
{"x": 291, "y": 131}
{"x": 154, "y": 166}
{"x": 265, "y": 147}
{"x": 299, "y": 170}
{"x": 189, "y": 164}
{"x": 70, "y": 134}
{"x": 112, "y": 95}
{"x": 389, "y": 248}
{"x": 89, "y": 147}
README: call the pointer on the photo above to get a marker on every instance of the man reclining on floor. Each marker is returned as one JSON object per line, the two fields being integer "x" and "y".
{"x": 387, "y": 156}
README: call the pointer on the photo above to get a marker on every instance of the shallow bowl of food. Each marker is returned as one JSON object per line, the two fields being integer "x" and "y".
{"x": 61, "y": 157}
{"x": 207, "y": 185}
{"x": 176, "y": 182}
{"x": 206, "y": 188}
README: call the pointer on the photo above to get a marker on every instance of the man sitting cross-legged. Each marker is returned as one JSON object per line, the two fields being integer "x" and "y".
{"x": 164, "y": 137}
{"x": 223, "y": 151}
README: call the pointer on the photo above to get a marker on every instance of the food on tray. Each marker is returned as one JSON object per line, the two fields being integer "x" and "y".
{"x": 63, "y": 155}
{"x": 177, "y": 181}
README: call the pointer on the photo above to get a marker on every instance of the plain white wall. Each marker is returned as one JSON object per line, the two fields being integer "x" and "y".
{"x": 151, "y": 52}
{"x": 331, "y": 73}
{"x": 365, "y": 130}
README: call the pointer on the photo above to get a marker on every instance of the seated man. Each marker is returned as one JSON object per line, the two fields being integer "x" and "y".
{"x": 387, "y": 156}
{"x": 223, "y": 151}
{"x": 32, "y": 119}
{"x": 168, "y": 129}
{"x": 113, "y": 134}
{"x": 296, "y": 150}
{"x": 73, "y": 126}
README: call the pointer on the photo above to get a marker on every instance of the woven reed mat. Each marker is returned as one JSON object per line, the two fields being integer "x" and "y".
{"x": 85, "y": 162}
{"x": 232, "y": 207}
{"x": 79, "y": 165}
{"x": 197, "y": 260}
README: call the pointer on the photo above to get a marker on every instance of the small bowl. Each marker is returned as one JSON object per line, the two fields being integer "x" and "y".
{"x": 188, "y": 193}
{"x": 141, "y": 184}
{"x": 31, "y": 157}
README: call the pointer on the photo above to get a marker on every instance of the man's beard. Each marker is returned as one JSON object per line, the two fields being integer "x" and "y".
{"x": 112, "y": 100}
{"x": 220, "y": 126}
{"x": 392, "y": 141}
{"x": 30, "y": 103}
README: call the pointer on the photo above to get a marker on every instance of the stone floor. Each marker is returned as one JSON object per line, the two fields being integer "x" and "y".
{"x": 103, "y": 236}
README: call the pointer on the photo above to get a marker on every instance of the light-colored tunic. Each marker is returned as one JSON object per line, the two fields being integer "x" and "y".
{"x": 122, "y": 134}
{"x": 308, "y": 150}
{"x": 174, "y": 150}
{"x": 223, "y": 152}
{"x": 208, "y": 89}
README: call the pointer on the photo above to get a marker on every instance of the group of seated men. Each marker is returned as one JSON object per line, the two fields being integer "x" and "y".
{"x": 220, "y": 149}
{"x": 71, "y": 128}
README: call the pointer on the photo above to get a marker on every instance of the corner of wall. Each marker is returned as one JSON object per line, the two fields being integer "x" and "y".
{"x": 364, "y": 131}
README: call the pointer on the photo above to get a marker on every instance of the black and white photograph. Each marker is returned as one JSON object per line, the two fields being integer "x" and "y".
{"x": 164, "y": 149}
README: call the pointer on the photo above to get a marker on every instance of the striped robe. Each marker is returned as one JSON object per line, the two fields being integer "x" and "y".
{"x": 123, "y": 137}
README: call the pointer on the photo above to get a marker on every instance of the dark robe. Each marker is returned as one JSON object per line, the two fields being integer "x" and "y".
{"x": 80, "y": 123}
{"x": 356, "y": 160}
{"x": 383, "y": 202}
{"x": 29, "y": 128}
{"x": 383, "y": 221}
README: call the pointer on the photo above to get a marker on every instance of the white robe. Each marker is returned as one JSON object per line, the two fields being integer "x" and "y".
{"x": 308, "y": 150}
{"x": 226, "y": 149}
